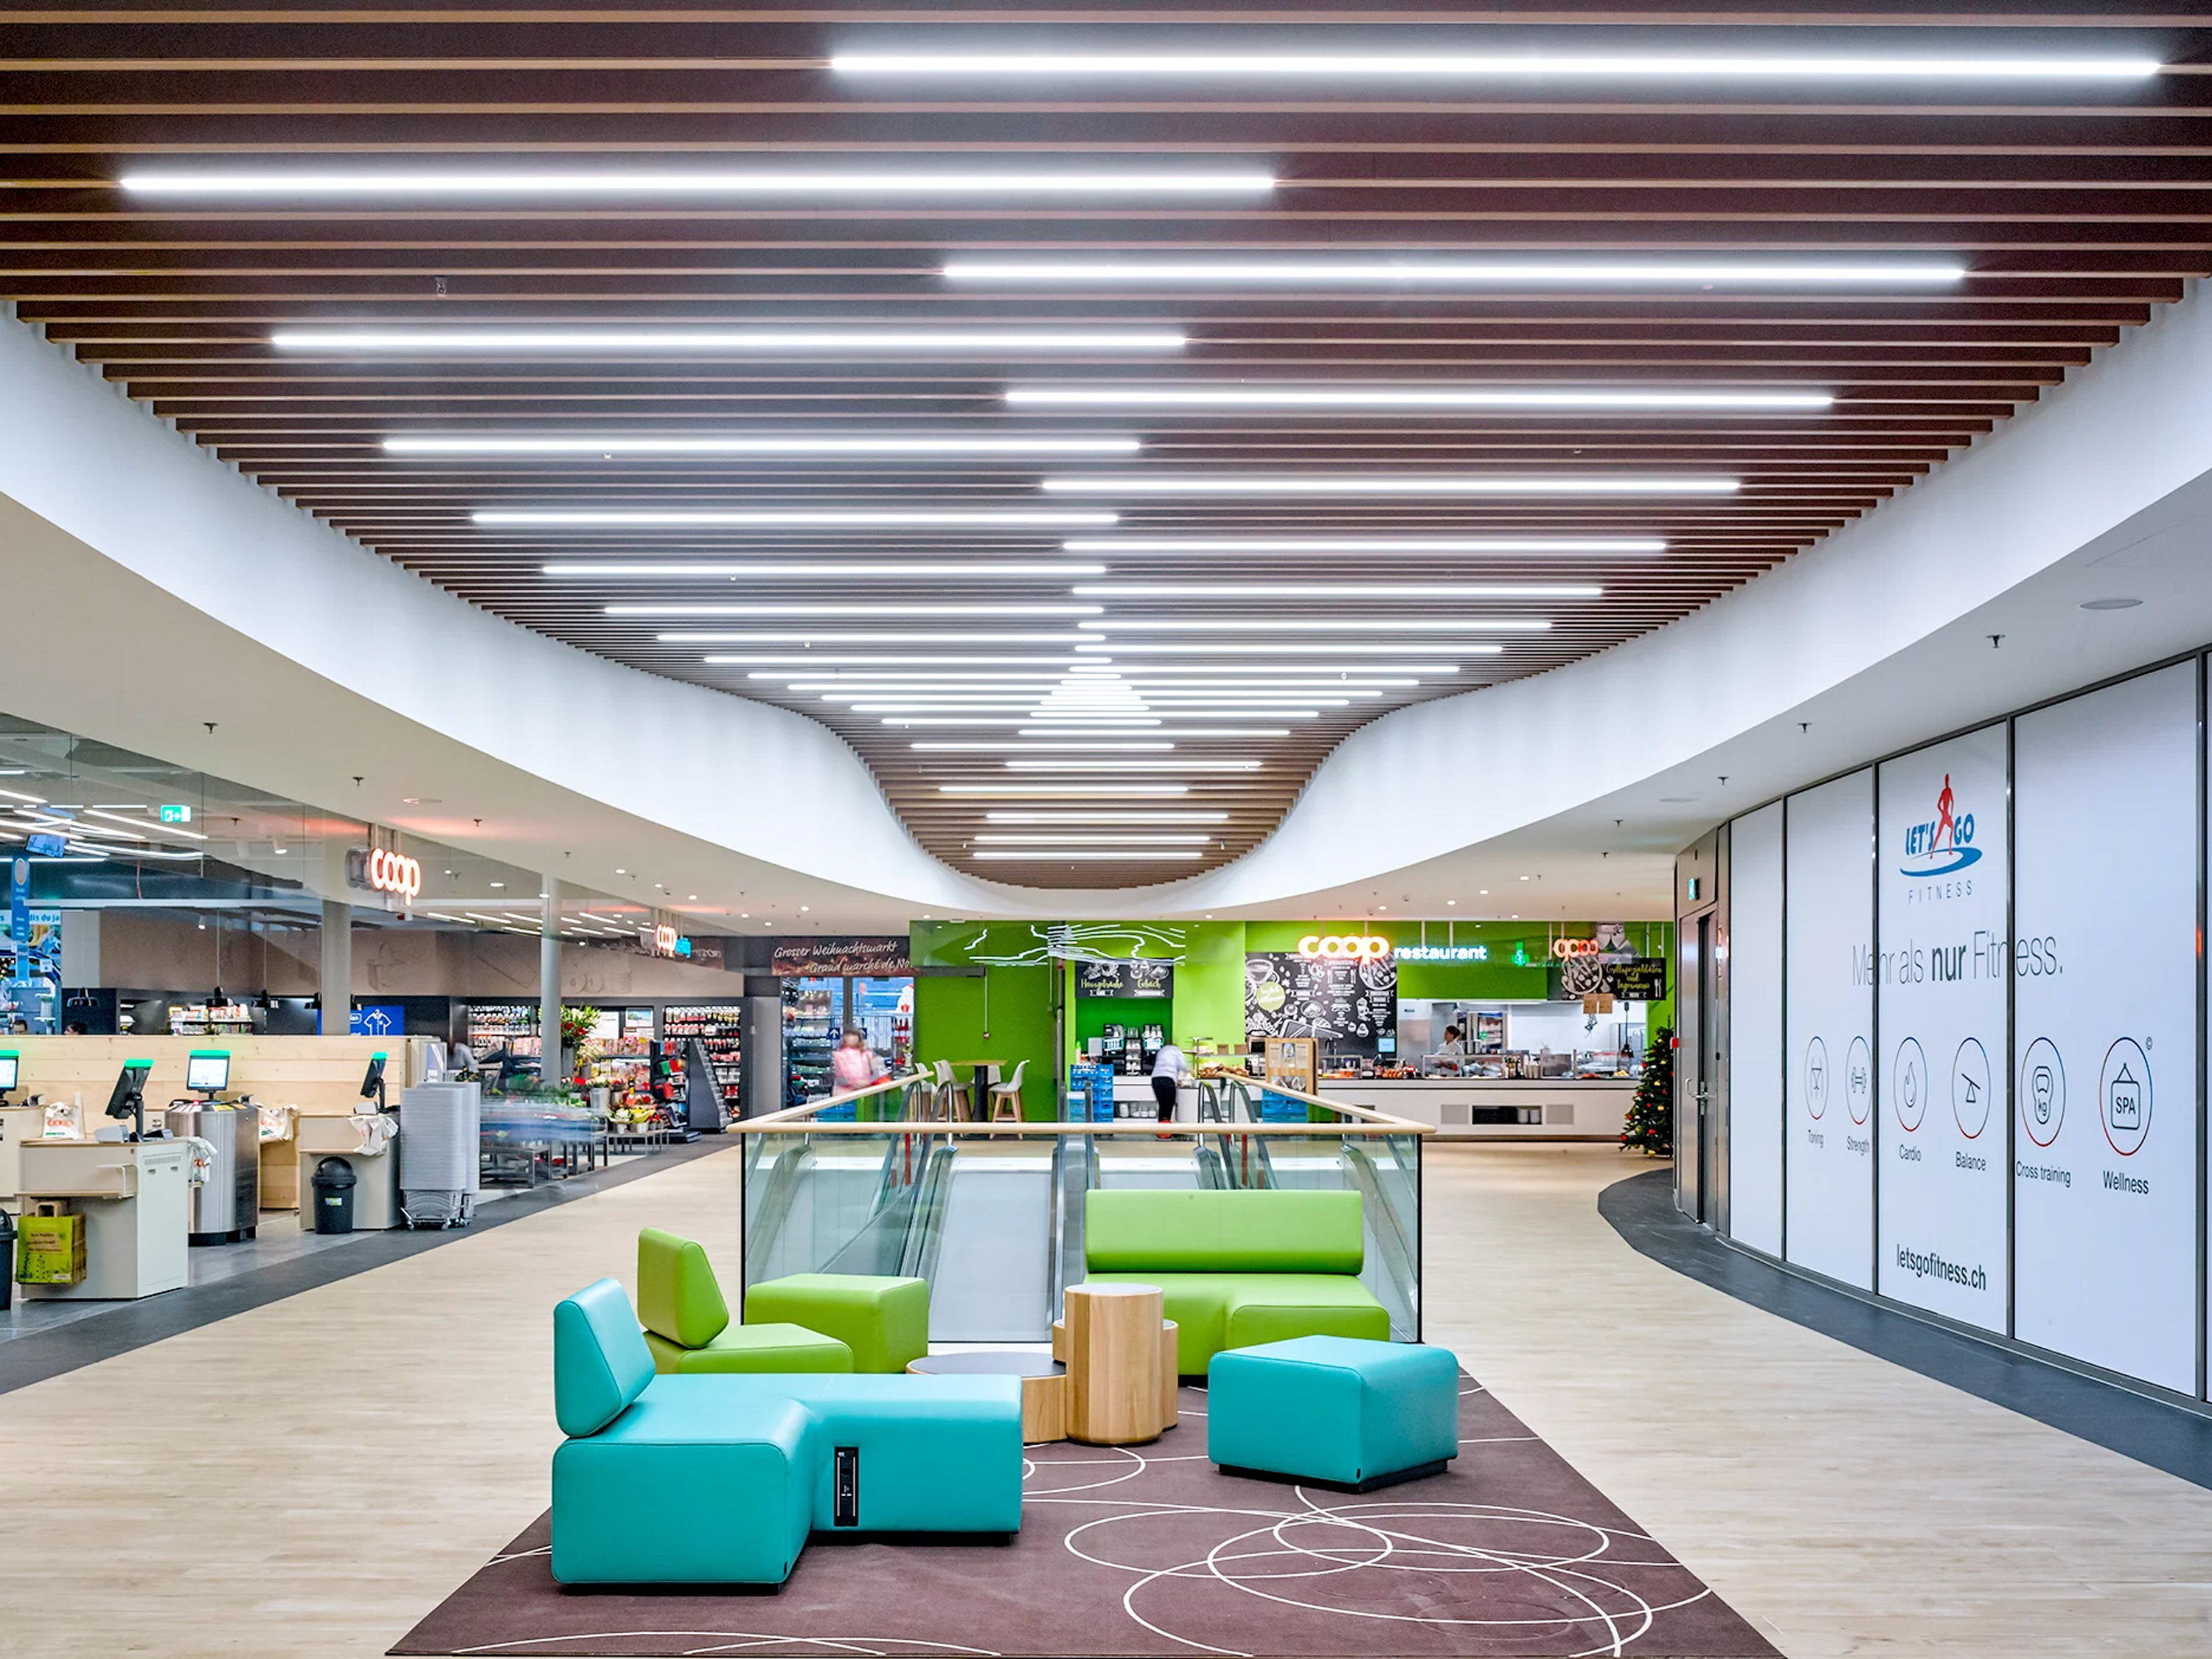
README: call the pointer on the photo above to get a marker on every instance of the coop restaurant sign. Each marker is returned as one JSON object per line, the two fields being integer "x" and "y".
{"x": 885, "y": 956}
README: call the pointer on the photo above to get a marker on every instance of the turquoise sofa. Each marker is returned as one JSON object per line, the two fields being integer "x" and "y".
{"x": 719, "y": 1478}
{"x": 1237, "y": 1268}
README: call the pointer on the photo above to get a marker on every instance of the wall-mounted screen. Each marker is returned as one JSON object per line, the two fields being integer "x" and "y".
{"x": 1942, "y": 890}
{"x": 1754, "y": 971}
{"x": 2104, "y": 1027}
{"x": 1828, "y": 1029}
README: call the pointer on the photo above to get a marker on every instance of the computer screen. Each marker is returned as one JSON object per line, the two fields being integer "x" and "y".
{"x": 11, "y": 1068}
{"x": 128, "y": 1085}
{"x": 208, "y": 1072}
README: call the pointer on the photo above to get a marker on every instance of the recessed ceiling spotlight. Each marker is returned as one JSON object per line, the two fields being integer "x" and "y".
{"x": 481, "y": 184}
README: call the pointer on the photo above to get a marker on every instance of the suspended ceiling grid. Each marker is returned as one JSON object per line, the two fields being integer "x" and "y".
{"x": 2076, "y": 207}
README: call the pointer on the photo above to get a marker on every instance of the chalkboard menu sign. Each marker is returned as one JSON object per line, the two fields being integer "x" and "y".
{"x": 1125, "y": 979}
{"x": 1637, "y": 979}
{"x": 1349, "y": 1005}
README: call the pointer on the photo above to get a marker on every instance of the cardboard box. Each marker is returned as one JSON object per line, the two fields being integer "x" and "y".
{"x": 49, "y": 1247}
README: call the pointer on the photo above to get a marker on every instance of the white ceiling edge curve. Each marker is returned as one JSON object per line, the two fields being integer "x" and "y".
{"x": 1878, "y": 630}
{"x": 321, "y": 662}
{"x": 182, "y": 592}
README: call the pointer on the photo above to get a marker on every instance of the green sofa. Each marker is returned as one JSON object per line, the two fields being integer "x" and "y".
{"x": 718, "y": 1479}
{"x": 687, "y": 1322}
{"x": 1238, "y": 1268}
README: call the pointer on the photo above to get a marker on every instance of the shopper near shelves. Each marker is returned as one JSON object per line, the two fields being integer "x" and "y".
{"x": 1169, "y": 1073}
{"x": 855, "y": 1065}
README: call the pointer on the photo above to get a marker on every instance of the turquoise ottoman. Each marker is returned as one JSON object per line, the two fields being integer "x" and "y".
{"x": 1336, "y": 1410}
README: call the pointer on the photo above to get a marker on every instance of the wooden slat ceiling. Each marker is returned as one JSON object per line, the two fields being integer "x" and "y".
{"x": 2076, "y": 207}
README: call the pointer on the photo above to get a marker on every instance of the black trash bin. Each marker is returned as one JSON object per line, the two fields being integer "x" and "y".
{"x": 333, "y": 1187}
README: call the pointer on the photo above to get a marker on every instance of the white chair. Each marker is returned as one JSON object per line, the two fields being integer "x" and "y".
{"x": 952, "y": 1103}
{"x": 1006, "y": 1097}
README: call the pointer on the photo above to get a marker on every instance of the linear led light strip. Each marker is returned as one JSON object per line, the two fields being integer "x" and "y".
{"x": 881, "y": 659}
{"x": 1412, "y": 546}
{"x": 1134, "y": 854}
{"x": 868, "y": 518}
{"x": 1434, "y": 271}
{"x": 1431, "y": 64}
{"x": 760, "y": 444}
{"x": 1405, "y": 397}
{"x": 965, "y": 342}
{"x": 1382, "y": 483}
{"x": 1301, "y": 674}
{"x": 747, "y": 181}
{"x": 1106, "y": 818}
{"x": 1102, "y": 791}
{"x": 1339, "y": 590}
{"x": 1133, "y": 766}
{"x": 1231, "y": 648}
{"x": 1109, "y": 839}
{"x": 1036, "y": 748}
{"x": 865, "y": 609}
{"x": 830, "y": 641}
{"x": 913, "y": 570}
{"x": 1319, "y": 625}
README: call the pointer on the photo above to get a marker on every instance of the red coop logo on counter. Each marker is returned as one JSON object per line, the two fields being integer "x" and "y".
{"x": 1344, "y": 947}
{"x": 381, "y": 871}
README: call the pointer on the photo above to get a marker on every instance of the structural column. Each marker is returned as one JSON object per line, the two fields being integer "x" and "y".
{"x": 337, "y": 987}
{"x": 548, "y": 983}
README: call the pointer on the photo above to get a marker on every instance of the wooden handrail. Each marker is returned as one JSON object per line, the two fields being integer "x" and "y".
{"x": 794, "y": 1118}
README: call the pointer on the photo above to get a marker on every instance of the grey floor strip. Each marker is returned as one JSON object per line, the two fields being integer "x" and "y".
{"x": 119, "y": 1328}
{"x": 2166, "y": 1437}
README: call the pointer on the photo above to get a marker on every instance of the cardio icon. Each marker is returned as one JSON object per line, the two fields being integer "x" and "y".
{"x": 1970, "y": 1088}
{"x": 1816, "y": 1078}
{"x": 1910, "y": 1088}
{"x": 2124, "y": 1097}
{"x": 1858, "y": 1080}
{"x": 2042, "y": 1091}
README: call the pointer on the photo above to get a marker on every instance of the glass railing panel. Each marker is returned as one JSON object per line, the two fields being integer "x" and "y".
{"x": 993, "y": 1217}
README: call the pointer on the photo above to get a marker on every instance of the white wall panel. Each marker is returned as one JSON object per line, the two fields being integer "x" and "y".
{"x": 1828, "y": 1027}
{"x": 1755, "y": 1029}
{"x": 2104, "y": 1030}
{"x": 1942, "y": 889}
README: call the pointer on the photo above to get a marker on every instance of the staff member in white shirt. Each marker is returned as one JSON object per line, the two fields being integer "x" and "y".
{"x": 1168, "y": 1071}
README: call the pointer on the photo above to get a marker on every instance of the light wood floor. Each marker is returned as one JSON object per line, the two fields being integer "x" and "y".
{"x": 310, "y": 1477}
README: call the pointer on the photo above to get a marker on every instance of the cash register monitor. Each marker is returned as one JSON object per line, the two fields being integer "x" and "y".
{"x": 128, "y": 1098}
{"x": 207, "y": 1072}
{"x": 11, "y": 1072}
{"x": 372, "y": 1086}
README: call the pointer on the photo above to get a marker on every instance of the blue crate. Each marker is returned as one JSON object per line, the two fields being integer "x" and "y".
{"x": 1280, "y": 1108}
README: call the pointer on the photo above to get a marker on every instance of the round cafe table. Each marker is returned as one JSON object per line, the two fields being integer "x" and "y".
{"x": 1044, "y": 1383}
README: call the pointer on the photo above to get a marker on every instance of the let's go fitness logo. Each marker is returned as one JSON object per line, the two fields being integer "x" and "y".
{"x": 1942, "y": 845}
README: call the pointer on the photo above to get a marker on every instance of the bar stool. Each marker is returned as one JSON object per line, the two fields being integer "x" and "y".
{"x": 952, "y": 1103}
{"x": 1006, "y": 1097}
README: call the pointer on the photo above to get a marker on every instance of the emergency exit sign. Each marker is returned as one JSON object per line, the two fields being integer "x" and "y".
{"x": 176, "y": 814}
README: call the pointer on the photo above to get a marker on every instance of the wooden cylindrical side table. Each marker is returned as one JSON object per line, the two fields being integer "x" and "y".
{"x": 1117, "y": 1389}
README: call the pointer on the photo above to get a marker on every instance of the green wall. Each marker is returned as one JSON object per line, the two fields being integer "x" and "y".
{"x": 950, "y": 1023}
{"x": 1209, "y": 985}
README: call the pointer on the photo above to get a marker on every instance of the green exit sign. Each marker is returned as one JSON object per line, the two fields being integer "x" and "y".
{"x": 176, "y": 814}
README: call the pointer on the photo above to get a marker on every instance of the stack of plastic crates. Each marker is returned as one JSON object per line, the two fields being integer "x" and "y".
{"x": 1090, "y": 1093}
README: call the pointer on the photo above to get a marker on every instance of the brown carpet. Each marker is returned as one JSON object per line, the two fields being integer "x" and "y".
{"x": 1151, "y": 1550}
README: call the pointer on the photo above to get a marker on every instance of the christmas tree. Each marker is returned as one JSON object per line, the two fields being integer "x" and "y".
{"x": 1650, "y": 1125}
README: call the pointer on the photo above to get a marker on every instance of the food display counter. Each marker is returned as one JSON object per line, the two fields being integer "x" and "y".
{"x": 1497, "y": 1108}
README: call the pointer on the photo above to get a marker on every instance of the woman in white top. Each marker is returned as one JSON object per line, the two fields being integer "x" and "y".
{"x": 1168, "y": 1071}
